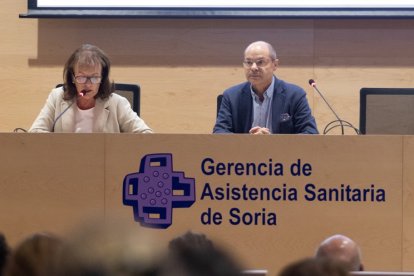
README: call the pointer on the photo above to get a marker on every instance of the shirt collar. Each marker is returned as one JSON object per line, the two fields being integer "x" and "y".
{"x": 268, "y": 93}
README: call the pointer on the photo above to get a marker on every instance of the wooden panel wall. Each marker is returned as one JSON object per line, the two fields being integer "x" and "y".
{"x": 40, "y": 184}
{"x": 302, "y": 225}
{"x": 408, "y": 206}
{"x": 183, "y": 64}
{"x": 51, "y": 182}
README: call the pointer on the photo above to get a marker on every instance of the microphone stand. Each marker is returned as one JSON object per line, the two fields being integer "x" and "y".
{"x": 330, "y": 126}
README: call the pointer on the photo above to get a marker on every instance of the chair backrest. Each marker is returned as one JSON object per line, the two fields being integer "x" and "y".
{"x": 386, "y": 111}
{"x": 219, "y": 99}
{"x": 254, "y": 272}
{"x": 130, "y": 91}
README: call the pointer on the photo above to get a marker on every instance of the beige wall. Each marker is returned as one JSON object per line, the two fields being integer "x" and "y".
{"x": 183, "y": 64}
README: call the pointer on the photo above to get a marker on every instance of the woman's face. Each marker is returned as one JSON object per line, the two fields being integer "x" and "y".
{"x": 87, "y": 79}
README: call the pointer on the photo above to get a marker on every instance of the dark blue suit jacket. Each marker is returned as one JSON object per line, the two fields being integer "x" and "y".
{"x": 290, "y": 110}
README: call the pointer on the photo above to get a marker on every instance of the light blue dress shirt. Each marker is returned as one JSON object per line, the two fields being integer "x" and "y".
{"x": 262, "y": 111}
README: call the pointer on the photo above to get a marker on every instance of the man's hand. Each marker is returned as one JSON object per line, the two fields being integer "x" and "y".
{"x": 259, "y": 130}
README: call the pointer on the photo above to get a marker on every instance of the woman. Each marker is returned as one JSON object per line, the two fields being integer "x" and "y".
{"x": 86, "y": 102}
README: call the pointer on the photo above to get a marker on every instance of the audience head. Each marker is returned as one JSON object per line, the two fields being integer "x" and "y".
{"x": 109, "y": 250}
{"x": 193, "y": 254}
{"x": 90, "y": 61}
{"x": 4, "y": 253}
{"x": 342, "y": 249}
{"x": 35, "y": 256}
{"x": 315, "y": 267}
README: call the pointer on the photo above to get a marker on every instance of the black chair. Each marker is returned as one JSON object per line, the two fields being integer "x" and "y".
{"x": 130, "y": 91}
{"x": 133, "y": 94}
{"x": 385, "y": 111}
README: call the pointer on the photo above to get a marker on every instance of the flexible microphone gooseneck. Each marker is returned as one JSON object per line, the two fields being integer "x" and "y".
{"x": 60, "y": 115}
{"x": 338, "y": 122}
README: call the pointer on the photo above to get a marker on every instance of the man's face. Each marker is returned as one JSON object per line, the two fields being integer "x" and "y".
{"x": 259, "y": 66}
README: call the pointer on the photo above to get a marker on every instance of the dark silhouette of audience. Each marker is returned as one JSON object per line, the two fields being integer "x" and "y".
{"x": 4, "y": 253}
{"x": 104, "y": 248}
{"x": 113, "y": 249}
{"x": 35, "y": 256}
{"x": 315, "y": 267}
{"x": 193, "y": 254}
{"x": 109, "y": 249}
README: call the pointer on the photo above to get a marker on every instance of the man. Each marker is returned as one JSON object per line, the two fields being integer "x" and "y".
{"x": 342, "y": 249}
{"x": 264, "y": 104}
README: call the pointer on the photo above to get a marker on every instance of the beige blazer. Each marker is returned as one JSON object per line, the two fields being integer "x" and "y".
{"x": 111, "y": 115}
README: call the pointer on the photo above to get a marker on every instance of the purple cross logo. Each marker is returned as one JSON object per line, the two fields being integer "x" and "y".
{"x": 156, "y": 189}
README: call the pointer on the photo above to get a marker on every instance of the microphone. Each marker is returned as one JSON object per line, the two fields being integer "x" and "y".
{"x": 81, "y": 94}
{"x": 338, "y": 120}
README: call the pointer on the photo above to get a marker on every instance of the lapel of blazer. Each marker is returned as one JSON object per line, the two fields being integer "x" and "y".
{"x": 245, "y": 107}
{"x": 101, "y": 115}
{"x": 67, "y": 119}
{"x": 278, "y": 104}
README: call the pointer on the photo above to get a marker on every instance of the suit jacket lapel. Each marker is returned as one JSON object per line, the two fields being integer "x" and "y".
{"x": 101, "y": 115}
{"x": 278, "y": 104}
{"x": 245, "y": 107}
{"x": 68, "y": 119}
